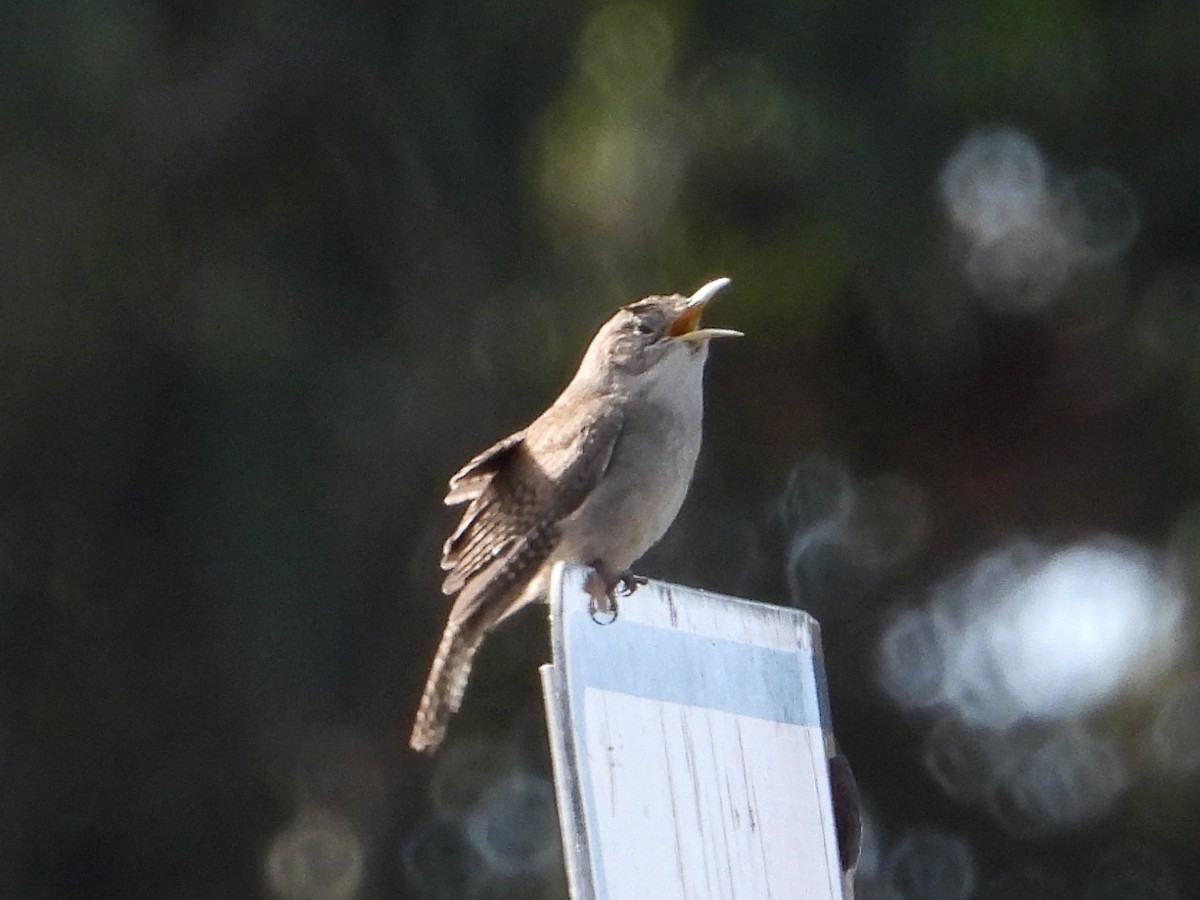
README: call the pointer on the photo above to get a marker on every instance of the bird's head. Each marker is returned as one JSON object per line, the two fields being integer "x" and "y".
{"x": 643, "y": 336}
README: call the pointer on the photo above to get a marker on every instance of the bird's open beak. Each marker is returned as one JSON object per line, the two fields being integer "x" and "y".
{"x": 687, "y": 324}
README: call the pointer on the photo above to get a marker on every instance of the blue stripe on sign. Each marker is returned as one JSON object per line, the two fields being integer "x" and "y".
{"x": 695, "y": 670}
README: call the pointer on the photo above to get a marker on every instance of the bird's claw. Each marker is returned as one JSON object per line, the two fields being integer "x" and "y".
{"x": 630, "y": 582}
{"x": 602, "y": 605}
{"x": 601, "y": 584}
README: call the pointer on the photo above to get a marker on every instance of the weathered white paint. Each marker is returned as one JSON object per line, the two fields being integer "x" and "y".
{"x": 690, "y": 742}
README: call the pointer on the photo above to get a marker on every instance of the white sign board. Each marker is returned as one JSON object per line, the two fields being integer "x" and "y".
{"x": 690, "y": 743}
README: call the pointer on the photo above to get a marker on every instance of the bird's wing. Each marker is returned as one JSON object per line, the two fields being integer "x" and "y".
{"x": 510, "y": 526}
{"x": 471, "y": 480}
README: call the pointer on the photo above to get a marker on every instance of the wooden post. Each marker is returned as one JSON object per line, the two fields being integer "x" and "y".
{"x": 690, "y": 740}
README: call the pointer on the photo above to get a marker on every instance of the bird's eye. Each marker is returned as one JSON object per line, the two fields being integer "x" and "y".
{"x": 643, "y": 328}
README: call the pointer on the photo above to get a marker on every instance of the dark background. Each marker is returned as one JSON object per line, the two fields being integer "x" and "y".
{"x": 271, "y": 271}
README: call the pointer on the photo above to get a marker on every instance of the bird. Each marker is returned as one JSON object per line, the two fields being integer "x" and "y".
{"x": 595, "y": 480}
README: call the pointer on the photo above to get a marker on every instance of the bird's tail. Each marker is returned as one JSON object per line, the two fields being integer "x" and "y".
{"x": 447, "y": 680}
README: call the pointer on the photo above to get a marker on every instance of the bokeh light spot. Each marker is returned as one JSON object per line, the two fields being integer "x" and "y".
{"x": 739, "y": 107}
{"x": 1077, "y": 628}
{"x": 927, "y": 864}
{"x": 614, "y": 176}
{"x": 819, "y": 488}
{"x": 515, "y": 826}
{"x": 1102, "y": 212}
{"x": 1024, "y": 233}
{"x": 1042, "y": 637}
{"x": 626, "y": 51}
{"x": 995, "y": 181}
{"x": 1022, "y": 269}
{"x": 962, "y": 760}
{"x": 1057, "y": 780}
{"x": 913, "y": 654}
{"x": 318, "y": 857}
{"x": 340, "y": 771}
{"x": 465, "y": 771}
{"x": 842, "y": 536}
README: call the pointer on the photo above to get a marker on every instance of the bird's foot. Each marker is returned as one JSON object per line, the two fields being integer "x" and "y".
{"x": 601, "y": 584}
{"x": 602, "y": 605}
{"x": 630, "y": 582}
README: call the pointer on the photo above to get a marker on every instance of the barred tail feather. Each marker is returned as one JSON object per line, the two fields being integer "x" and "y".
{"x": 447, "y": 681}
{"x": 504, "y": 585}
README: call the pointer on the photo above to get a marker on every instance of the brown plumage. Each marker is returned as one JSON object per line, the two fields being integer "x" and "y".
{"x": 596, "y": 479}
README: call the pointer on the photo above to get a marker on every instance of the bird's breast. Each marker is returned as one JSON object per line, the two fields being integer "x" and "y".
{"x": 644, "y": 485}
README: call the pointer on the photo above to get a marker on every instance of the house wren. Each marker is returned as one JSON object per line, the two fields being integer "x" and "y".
{"x": 596, "y": 480}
